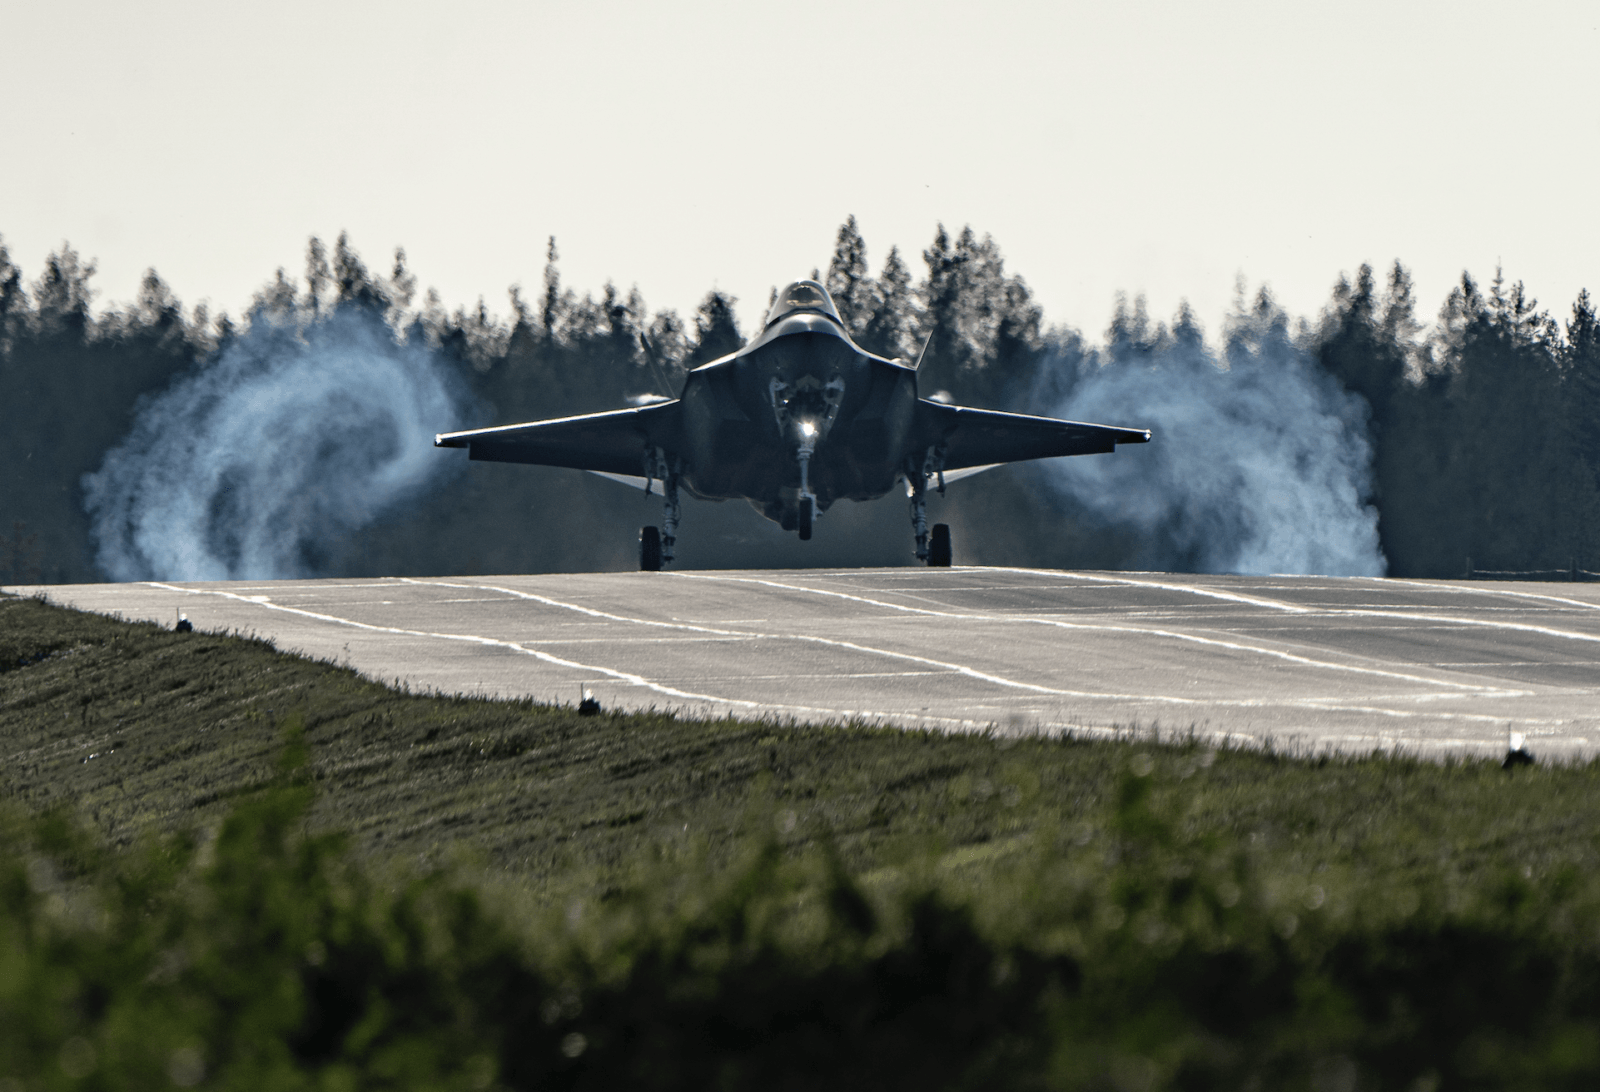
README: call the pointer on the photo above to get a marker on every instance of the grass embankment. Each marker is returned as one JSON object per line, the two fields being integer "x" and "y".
{"x": 743, "y": 904}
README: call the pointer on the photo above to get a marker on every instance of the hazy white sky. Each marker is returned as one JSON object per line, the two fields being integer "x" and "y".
{"x": 1156, "y": 148}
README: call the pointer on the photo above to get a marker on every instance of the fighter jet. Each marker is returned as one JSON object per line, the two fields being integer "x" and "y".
{"x": 799, "y": 418}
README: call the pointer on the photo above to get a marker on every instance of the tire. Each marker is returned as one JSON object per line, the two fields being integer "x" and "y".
{"x": 807, "y": 514}
{"x": 649, "y": 549}
{"x": 939, "y": 547}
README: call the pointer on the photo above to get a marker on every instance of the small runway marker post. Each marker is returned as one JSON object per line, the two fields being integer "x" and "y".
{"x": 1517, "y": 753}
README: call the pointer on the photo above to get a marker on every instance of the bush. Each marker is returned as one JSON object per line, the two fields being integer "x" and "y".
{"x": 272, "y": 956}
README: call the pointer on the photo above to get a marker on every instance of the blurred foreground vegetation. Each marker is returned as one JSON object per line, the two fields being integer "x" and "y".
{"x": 223, "y": 866}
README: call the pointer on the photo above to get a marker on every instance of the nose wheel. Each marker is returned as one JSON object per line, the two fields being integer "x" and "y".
{"x": 807, "y": 513}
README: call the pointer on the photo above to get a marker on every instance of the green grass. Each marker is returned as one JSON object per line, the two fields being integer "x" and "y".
{"x": 141, "y": 728}
{"x": 220, "y": 862}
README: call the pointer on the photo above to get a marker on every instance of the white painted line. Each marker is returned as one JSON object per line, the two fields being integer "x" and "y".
{"x": 1024, "y": 619}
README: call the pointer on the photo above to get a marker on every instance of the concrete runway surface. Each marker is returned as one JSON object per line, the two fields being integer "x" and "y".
{"x": 1433, "y": 667}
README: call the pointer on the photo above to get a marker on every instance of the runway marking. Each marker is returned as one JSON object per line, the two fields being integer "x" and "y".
{"x": 1364, "y": 612}
{"x": 1319, "y": 704}
{"x": 1459, "y": 590}
{"x": 623, "y": 676}
{"x": 633, "y": 679}
{"x": 1173, "y": 634}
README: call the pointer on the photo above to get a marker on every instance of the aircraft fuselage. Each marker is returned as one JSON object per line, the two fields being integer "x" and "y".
{"x": 802, "y": 382}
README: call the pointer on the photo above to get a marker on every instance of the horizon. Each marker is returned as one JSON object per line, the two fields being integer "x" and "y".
{"x": 1151, "y": 150}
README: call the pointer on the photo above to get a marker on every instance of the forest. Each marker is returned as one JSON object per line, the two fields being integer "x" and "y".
{"x": 150, "y": 440}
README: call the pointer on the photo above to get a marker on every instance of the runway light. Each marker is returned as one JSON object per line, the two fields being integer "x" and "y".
{"x": 1517, "y": 753}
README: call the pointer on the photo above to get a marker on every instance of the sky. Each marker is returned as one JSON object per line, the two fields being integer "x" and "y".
{"x": 1163, "y": 149}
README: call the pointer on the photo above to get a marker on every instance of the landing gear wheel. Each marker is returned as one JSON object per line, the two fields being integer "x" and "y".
{"x": 807, "y": 514}
{"x": 649, "y": 549}
{"x": 939, "y": 547}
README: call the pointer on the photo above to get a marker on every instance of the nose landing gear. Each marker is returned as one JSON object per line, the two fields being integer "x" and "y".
{"x": 807, "y": 500}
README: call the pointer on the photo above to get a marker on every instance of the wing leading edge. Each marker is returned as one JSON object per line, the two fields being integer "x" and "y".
{"x": 614, "y": 442}
{"x": 976, "y": 437}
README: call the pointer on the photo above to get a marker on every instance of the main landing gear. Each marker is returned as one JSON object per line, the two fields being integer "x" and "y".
{"x": 934, "y": 549}
{"x": 656, "y": 546}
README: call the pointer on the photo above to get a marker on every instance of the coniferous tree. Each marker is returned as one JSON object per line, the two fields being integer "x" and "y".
{"x": 891, "y": 331}
{"x": 550, "y": 306}
{"x": 318, "y": 276}
{"x": 61, "y": 297}
{"x": 1581, "y": 374}
{"x": 402, "y": 284}
{"x": 849, "y": 283}
{"x": 716, "y": 329}
{"x": 941, "y": 310}
{"x": 354, "y": 284}
{"x": 1521, "y": 497}
{"x": 275, "y": 302}
{"x": 13, "y": 302}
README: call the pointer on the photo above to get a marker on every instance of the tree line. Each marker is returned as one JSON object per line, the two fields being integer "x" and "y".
{"x": 1485, "y": 423}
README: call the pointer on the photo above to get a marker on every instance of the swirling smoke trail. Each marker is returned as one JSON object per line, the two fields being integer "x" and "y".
{"x": 257, "y": 464}
{"x": 1261, "y": 462}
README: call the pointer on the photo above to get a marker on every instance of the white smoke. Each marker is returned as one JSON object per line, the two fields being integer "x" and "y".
{"x": 1260, "y": 461}
{"x": 255, "y": 466}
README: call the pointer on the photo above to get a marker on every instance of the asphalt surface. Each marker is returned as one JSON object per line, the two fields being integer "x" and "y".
{"x": 1307, "y": 663}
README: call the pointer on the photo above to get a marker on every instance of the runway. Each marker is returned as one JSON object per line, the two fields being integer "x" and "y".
{"x": 1346, "y": 664}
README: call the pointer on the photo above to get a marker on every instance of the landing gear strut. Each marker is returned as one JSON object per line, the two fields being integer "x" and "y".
{"x": 919, "y": 513}
{"x": 656, "y": 546}
{"x": 937, "y": 552}
{"x": 807, "y": 499}
{"x": 669, "y": 517}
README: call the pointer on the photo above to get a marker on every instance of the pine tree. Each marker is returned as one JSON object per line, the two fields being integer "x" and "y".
{"x": 941, "y": 310}
{"x": 61, "y": 297}
{"x": 13, "y": 301}
{"x": 402, "y": 284}
{"x": 891, "y": 331}
{"x": 1580, "y": 359}
{"x": 716, "y": 328}
{"x": 318, "y": 275}
{"x": 550, "y": 307}
{"x": 356, "y": 286}
{"x": 852, "y": 289}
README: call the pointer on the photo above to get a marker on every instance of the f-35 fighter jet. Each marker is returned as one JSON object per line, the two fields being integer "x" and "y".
{"x": 797, "y": 419}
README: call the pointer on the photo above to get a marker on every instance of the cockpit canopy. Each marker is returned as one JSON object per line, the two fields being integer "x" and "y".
{"x": 802, "y": 296}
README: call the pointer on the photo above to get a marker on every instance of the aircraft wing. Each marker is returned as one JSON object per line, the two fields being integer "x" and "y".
{"x": 977, "y": 437}
{"x": 614, "y": 442}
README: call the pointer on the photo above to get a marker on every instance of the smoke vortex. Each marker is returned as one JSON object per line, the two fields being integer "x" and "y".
{"x": 256, "y": 465}
{"x": 1260, "y": 463}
